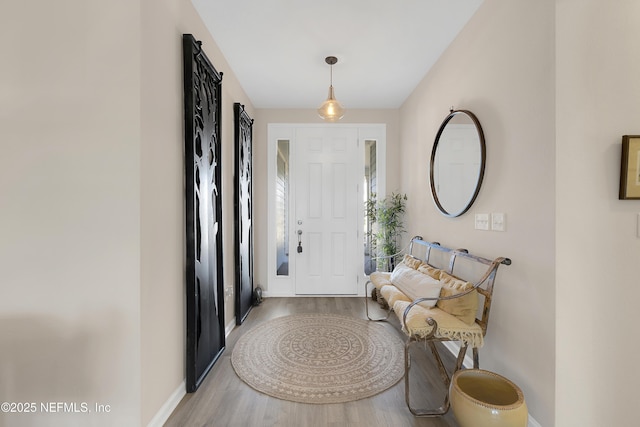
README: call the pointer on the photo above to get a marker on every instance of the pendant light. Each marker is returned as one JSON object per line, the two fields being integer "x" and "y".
{"x": 331, "y": 110}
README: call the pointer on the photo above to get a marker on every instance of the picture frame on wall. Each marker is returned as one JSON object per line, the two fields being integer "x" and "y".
{"x": 630, "y": 168}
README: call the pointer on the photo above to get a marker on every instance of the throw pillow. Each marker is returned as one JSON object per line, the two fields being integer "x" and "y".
{"x": 431, "y": 271}
{"x": 415, "y": 284}
{"x": 465, "y": 307}
{"x": 411, "y": 261}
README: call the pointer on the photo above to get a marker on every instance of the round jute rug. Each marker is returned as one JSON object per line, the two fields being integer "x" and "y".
{"x": 319, "y": 358}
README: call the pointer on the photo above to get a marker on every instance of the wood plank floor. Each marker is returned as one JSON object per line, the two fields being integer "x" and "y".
{"x": 225, "y": 400}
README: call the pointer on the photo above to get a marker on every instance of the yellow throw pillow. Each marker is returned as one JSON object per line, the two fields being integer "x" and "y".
{"x": 411, "y": 261}
{"x": 465, "y": 307}
{"x": 431, "y": 271}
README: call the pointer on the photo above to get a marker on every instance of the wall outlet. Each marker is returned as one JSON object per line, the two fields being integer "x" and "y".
{"x": 482, "y": 222}
{"x": 498, "y": 222}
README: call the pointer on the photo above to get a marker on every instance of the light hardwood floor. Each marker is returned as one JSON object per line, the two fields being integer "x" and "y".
{"x": 224, "y": 400}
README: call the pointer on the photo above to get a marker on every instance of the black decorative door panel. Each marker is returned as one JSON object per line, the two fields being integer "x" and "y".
{"x": 243, "y": 212}
{"x": 204, "y": 279}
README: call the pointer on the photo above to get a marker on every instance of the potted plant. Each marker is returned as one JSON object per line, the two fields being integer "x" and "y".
{"x": 385, "y": 225}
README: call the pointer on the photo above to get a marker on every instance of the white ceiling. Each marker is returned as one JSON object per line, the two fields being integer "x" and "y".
{"x": 276, "y": 48}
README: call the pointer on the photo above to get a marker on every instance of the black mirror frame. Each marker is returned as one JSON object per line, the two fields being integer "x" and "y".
{"x": 483, "y": 154}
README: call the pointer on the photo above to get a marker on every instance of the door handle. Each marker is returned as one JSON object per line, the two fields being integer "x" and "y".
{"x": 299, "y": 241}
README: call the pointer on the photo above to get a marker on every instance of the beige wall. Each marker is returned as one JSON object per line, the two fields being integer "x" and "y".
{"x": 553, "y": 108}
{"x": 262, "y": 119}
{"x": 501, "y": 67}
{"x": 598, "y": 87}
{"x": 92, "y": 225}
{"x": 162, "y": 192}
{"x": 70, "y": 209}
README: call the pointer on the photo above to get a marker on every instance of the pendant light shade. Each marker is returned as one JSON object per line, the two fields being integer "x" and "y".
{"x": 331, "y": 110}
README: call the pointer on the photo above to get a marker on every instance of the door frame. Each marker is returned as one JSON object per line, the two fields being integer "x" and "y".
{"x": 284, "y": 286}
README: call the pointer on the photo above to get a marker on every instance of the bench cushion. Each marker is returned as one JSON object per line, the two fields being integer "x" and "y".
{"x": 449, "y": 326}
{"x": 379, "y": 279}
{"x": 391, "y": 294}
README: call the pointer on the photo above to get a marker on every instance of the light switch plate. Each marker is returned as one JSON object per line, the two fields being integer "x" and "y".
{"x": 482, "y": 222}
{"x": 498, "y": 222}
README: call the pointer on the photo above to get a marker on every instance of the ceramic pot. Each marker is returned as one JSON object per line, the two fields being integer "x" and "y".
{"x": 481, "y": 398}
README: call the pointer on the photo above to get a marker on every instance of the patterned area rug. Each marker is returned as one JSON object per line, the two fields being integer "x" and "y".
{"x": 319, "y": 358}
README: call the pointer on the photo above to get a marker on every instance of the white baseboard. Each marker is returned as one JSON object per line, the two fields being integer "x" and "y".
{"x": 533, "y": 422}
{"x": 169, "y": 406}
{"x": 454, "y": 348}
{"x": 267, "y": 294}
{"x": 230, "y": 327}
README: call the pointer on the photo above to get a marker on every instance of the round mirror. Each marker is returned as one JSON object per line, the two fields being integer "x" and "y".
{"x": 457, "y": 163}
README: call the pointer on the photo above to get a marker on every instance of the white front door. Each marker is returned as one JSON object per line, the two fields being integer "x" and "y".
{"x": 316, "y": 175}
{"x": 325, "y": 222}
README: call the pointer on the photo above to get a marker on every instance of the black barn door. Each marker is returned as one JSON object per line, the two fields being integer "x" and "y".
{"x": 243, "y": 214}
{"x": 204, "y": 280}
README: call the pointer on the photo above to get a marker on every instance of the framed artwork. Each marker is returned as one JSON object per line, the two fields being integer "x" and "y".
{"x": 243, "y": 183}
{"x": 203, "y": 209}
{"x": 630, "y": 168}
